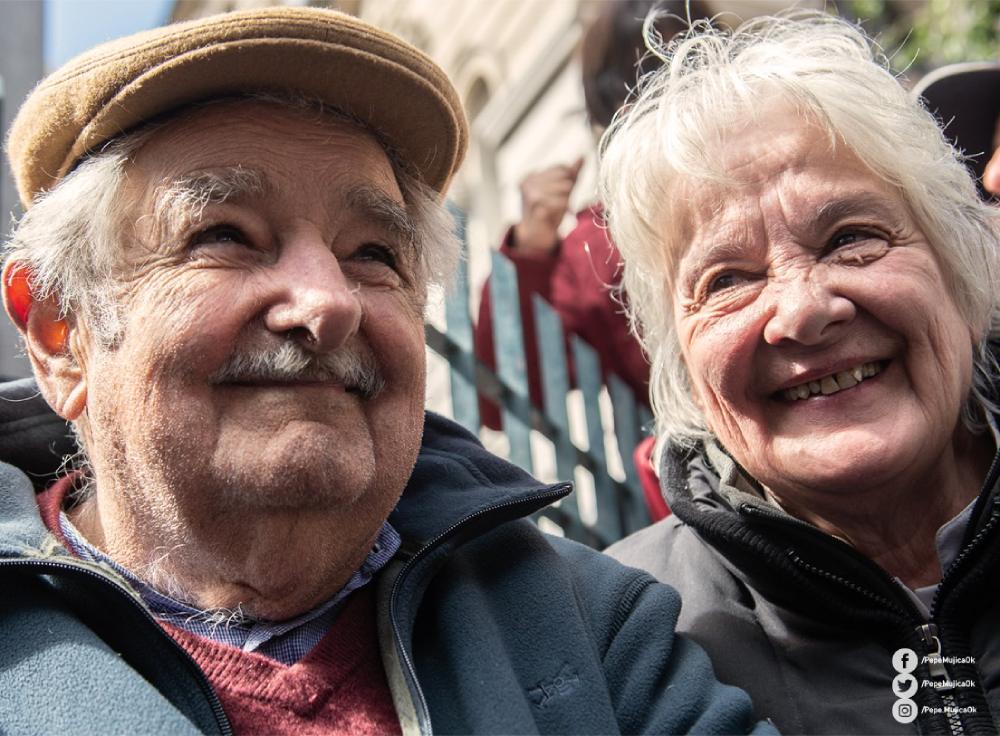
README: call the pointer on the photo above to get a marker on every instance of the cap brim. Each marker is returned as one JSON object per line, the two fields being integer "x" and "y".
{"x": 338, "y": 59}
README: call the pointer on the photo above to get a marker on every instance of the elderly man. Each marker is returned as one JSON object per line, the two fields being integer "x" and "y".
{"x": 231, "y": 227}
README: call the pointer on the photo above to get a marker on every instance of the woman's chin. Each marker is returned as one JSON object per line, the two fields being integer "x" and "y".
{"x": 844, "y": 461}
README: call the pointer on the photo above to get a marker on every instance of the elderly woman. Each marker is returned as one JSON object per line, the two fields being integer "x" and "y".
{"x": 816, "y": 284}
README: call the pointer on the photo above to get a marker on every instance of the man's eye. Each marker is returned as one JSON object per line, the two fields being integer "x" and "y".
{"x": 220, "y": 234}
{"x": 377, "y": 253}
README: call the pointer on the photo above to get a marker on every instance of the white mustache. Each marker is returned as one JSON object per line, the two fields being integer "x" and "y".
{"x": 356, "y": 369}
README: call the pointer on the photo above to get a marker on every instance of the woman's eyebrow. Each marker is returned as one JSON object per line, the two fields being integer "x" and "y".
{"x": 730, "y": 246}
{"x": 868, "y": 204}
{"x": 725, "y": 249}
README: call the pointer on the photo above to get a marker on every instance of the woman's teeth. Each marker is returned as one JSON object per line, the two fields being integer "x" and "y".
{"x": 833, "y": 383}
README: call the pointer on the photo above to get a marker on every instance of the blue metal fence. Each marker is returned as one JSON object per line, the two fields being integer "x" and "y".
{"x": 620, "y": 508}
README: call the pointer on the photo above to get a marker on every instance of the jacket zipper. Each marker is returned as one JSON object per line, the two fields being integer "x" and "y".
{"x": 927, "y": 633}
{"x": 201, "y": 680}
{"x": 991, "y": 479}
{"x": 950, "y": 573}
{"x": 532, "y": 503}
{"x": 932, "y": 650}
{"x": 939, "y": 673}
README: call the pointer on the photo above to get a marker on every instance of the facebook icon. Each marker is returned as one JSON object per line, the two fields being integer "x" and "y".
{"x": 904, "y": 661}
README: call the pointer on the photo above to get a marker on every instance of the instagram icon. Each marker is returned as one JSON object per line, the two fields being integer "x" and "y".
{"x": 904, "y": 685}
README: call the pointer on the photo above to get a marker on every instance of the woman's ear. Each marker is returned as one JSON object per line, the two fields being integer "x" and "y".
{"x": 47, "y": 333}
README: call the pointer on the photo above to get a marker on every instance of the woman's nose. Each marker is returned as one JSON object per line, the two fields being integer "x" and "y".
{"x": 805, "y": 310}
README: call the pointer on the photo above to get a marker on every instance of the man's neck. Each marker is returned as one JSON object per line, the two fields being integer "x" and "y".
{"x": 272, "y": 566}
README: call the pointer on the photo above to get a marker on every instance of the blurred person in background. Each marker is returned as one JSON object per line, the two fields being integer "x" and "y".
{"x": 580, "y": 274}
{"x": 966, "y": 100}
{"x": 817, "y": 285}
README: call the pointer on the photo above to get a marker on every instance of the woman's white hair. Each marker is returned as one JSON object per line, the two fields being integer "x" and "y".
{"x": 834, "y": 76}
{"x": 73, "y": 237}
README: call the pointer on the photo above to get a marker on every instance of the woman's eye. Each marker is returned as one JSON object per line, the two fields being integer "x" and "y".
{"x": 848, "y": 238}
{"x": 856, "y": 247}
{"x": 378, "y": 253}
{"x": 852, "y": 237}
{"x": 218, "y": 234}
{"x": 724, "y": 281}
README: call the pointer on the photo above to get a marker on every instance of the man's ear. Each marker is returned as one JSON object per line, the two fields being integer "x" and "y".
{"x": 47, "y": 336}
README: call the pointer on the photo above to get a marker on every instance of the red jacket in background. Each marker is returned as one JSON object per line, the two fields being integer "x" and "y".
{"x": 577, "y": 279}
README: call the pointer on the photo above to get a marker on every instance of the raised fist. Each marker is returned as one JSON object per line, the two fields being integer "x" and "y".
{"x": 544, "y": 201}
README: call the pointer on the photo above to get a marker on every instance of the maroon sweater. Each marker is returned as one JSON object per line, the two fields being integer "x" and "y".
{"x": 337, "y": 688}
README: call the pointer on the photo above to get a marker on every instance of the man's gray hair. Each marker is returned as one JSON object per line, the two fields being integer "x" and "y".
{"x": 73, "y": 237}
{"x": 833, "y": 75}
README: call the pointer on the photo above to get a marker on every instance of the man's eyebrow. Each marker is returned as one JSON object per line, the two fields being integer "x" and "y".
{"x": 183, "y": 200}
{"x": 372, "y": 203}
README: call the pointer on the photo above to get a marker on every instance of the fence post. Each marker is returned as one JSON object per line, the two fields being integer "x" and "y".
{"x": 508, "y": 342}
{"x": 555, "y": 387}
{"x": 620, "y": 505}
{"x": 627, "y": 433}
{"x": 458, "y": 327}
{"x": 588, "y": 379}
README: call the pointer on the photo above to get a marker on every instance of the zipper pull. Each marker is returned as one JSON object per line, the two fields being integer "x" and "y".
{"x": 928, "y": 634}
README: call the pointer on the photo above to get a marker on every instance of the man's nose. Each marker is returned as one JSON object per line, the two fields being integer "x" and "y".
{"x": 313, "y": 301}
{"x": 805, "y": 310}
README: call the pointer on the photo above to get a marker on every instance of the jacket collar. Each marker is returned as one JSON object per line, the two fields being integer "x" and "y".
{"x": 457, "y": 480}
{"x": 787, "y": 559}
{"x": 32, "y": 437}
{"x": 33, "y": 442}
{"x": 706, "y": 478}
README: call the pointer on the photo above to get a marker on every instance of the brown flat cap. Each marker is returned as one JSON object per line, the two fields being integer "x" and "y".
{"x": 334, "y": 57}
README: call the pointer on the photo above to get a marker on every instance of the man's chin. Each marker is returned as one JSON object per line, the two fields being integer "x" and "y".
{"x": 303, "y": 462}
{"x": 290, "y": 486}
